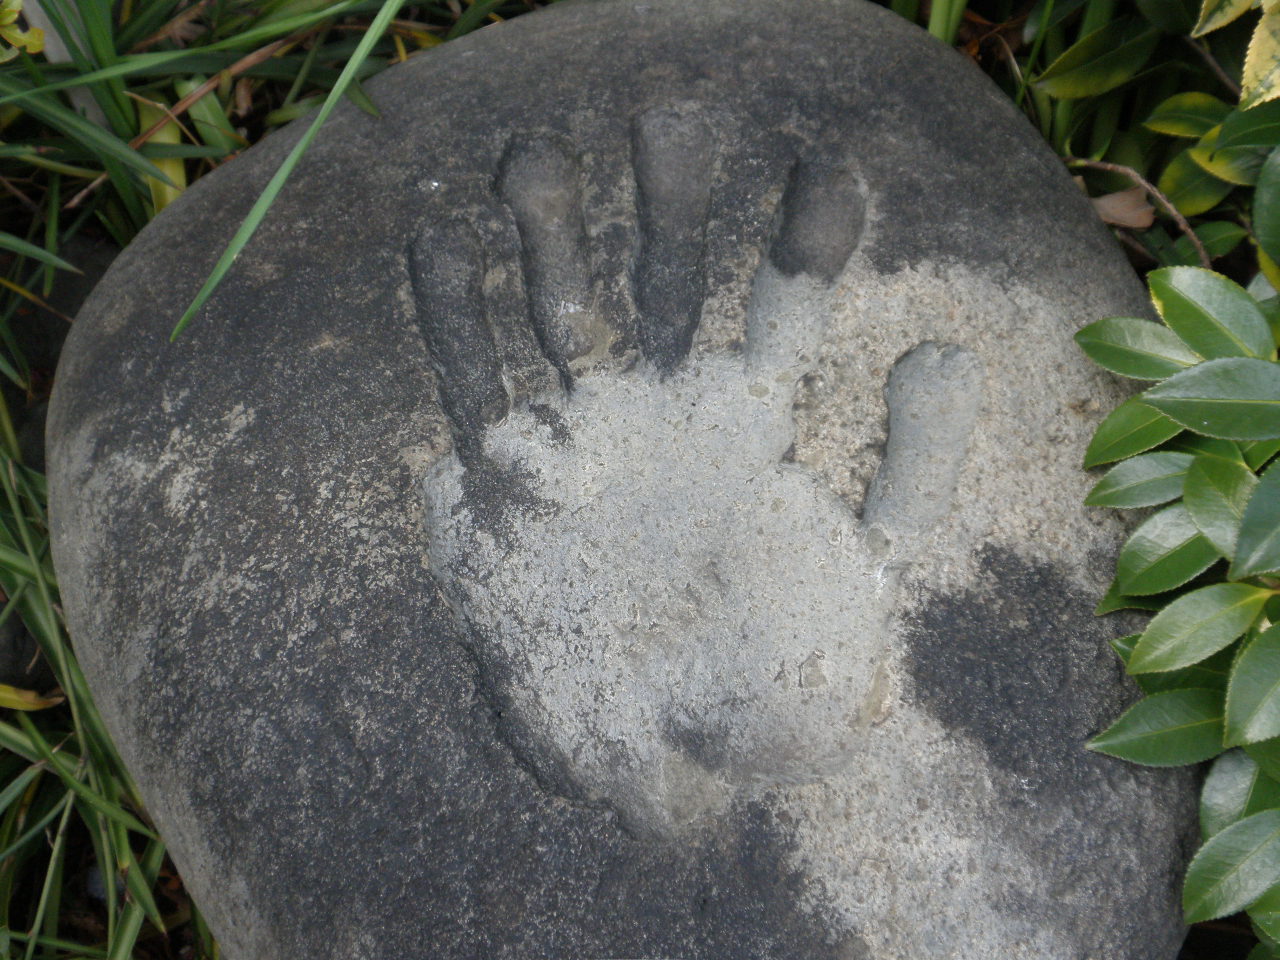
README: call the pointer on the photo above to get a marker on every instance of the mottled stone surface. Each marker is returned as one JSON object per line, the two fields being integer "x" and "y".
{"x": 631, "y": 512}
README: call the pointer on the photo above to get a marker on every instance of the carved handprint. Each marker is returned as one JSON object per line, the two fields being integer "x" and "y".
{"x": 671, "y": 612}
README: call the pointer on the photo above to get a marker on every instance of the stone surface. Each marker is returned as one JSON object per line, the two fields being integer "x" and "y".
{"x": 633, "y": 512}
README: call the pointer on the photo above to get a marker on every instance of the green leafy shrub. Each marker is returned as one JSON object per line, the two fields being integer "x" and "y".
{"x": 1199, "y": 448}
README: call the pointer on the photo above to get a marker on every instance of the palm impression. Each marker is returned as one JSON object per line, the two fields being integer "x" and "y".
{"x": 670, "y": 612}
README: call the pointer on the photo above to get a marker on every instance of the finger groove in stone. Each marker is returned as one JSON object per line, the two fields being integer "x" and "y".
{"x": 446, "y": 265}
{"x": 540, "y": 180}
{"x": 674, "y": 154}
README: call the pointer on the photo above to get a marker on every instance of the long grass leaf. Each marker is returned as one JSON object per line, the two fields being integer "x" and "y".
{"x": 472, "y": 17}
{"x": 15, "y": 741}
{"x": 139, "y": 888}
{"x": 37, "y": 828}
{"x": 98, "y": 141}
{"x": 19, "y": 246}
{"x": 76, "y": 950}
{"x": 116, "y": 111}
{"x": 131, "y": 922}
{"x": 72, "y": 781}
{"x": 51, "y": 875}
{"x": 18, "y": 784}
{"x": 273, "y": 188}
{"x": 173, "y": 60}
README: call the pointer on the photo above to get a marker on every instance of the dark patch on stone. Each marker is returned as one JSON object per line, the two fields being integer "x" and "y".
{"x": 496, "y": 495}
{"x": 824, "y": 214}
{"x": 1020, "y": 665}
{"x": 551, "y": 419}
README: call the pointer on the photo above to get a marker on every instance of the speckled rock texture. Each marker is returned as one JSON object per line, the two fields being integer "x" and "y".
{"x": 625, "y": 502}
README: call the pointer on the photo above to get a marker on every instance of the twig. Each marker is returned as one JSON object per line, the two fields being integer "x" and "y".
{"x": 28, "y": 295}
{"x": 1132, "y": 244}
{"x": 166, "y": 110}
{"x": 181, "y": 107}
{"x": 1214, "y": 66}
{"x": 14, "y": 189}
{"x": 169, "y": 30}
{"x": 1155, "y": 194}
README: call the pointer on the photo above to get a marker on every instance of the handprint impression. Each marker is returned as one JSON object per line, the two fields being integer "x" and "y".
{"x": 672, "y": 614}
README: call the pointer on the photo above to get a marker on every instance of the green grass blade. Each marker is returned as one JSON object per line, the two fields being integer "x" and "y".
{"x": 21, "y": 247}
{"x": 76, "y": 950}
{"x": 172, "y": 60}
{"x": 117, "y": 110}
{"x": 268, "y": 196}
{"x": 72, "y": 781}
{"x": 146, "y": 19}
{"x": 131, "y": 922}
{"x": 36, "y": 830}
{"x": 474, "y": 15}
{"x": 139, "y": 887}
{"x": 89, "y": 135}
{"x": 48, "y": 894}
{"x": 18, "y": 785}
{"x": 15, "y": 741}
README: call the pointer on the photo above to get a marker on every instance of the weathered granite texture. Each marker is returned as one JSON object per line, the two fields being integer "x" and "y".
{"x": 632, "y": 512}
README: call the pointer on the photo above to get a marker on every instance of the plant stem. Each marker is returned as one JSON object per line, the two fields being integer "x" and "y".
{"x": 1155, "y": 194}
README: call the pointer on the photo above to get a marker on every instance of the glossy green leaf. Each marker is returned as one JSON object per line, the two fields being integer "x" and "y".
{"x": 1235, "y": 788}
{"x": 1218, "y": 237}
{"x": 1130, "y": 428}
{"x": 1234, "y": 868}
{"x": 1258, "y": 546}
{"x": 1187, "y": 115}
{"x": 1214, "y": 316}
{"x": 1218, "y": 13}
{"x": 1266, "y": 755}
{"x": 1260, "y": 79}
{"x": 1166, "y": 730}
{"x": 1260, "y": 952}
{"x": 1191, "y": 188}
{"x": 1114, "y": 600}
{"x": 1197, "y": 625}
{"x": 1207, "y": 446}
{"x": 1215, "y": 493}
{"x": 1101, "y": 61}
{"x": 1136, "y": 348}
{"x": 1164, "y": 552}
{"x": 1257, "y": 453}
{"x": 1238, "y": 165}
{"x": 1123, "y": 646}
{"x": 1253, "y": 696}
{"x": 1266, "y": 206}
{"x": 1142, "y": 481}
{"x": 1265, "y": 914}
{"x": 1172, "y": 16}
{"x": 1258, "y": 127}
{"x": 1235, "y": 399}
{"x": 1211, "y": 674}
{"x": 1270, "y": 306}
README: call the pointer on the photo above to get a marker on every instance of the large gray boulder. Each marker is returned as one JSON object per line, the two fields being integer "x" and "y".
{"x": 625, "y": 501}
